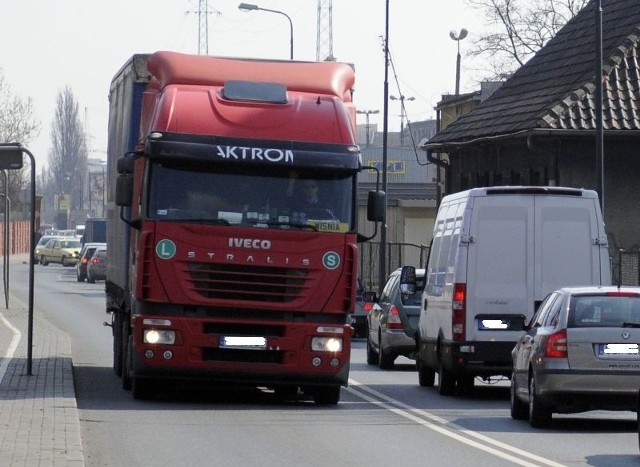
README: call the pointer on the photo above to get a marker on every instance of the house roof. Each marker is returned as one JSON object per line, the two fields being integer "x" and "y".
{"x": 555, "y": 89}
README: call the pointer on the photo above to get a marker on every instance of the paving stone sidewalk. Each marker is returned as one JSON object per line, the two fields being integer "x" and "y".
{"x": 39, "y": 424}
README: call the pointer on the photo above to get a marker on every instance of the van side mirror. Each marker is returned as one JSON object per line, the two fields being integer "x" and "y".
{"x": 408, "y": 280}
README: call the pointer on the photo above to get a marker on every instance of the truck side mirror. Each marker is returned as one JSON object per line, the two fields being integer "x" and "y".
{"x": 376, "y": 206}
{"x": 124, "y": 190}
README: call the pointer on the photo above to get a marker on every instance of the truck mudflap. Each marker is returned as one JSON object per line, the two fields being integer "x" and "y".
{"x": 478, "y": 358}
{"x": 208, "y": 350}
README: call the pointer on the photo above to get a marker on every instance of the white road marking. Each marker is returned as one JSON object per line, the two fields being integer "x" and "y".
{"x": 12, "y": 346}
{"x": 451, "y": 430}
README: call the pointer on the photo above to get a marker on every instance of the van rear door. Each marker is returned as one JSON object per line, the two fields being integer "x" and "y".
{"x": 500, "y": 265}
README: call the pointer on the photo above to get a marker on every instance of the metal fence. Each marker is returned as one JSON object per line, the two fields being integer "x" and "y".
{"x": 628, "y": 268}
{"x": 397, "y": 255}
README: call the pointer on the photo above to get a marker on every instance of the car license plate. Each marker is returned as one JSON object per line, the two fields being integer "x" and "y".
{"x": 243, "y": 342}
{"x": 617, "y": 349}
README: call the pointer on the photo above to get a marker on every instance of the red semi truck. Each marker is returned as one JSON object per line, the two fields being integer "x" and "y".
{"x": 217, "y": 272}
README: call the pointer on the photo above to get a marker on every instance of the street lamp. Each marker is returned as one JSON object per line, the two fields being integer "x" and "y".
{"x": 458, "y": 37}
{"x": 403, "y": 113}
{"x": 366, "y": 113}
{"x": 250, "y": 7}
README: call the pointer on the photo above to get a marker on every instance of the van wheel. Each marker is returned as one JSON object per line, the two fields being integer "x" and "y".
{"x": 372, "y": 355}
{"x": 539, "y": 416}
{"x": 426, "y": 376}
{"x": 447, "y": 383}
{"x": 385, "y": 358}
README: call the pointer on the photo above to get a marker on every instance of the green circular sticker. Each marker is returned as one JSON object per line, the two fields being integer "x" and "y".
{"x": 165, "y": 249}
{"x": 331, "y": 260}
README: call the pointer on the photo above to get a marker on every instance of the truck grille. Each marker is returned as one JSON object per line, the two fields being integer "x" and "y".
{"x": 254, "y": 283}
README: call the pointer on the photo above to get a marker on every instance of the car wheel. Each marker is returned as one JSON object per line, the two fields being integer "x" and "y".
{"x": 539, "y": 415}
{"x": 90, "y": 279}
{"x": 447, "y": 381}
{"x": 372, "y": 355}
{"x": 63, "y": 261}
{"x": 385, "y": 358}
{"x": 426, "y": 376}
{"x": 43, "y": 261}
{"x": 519, "y": 410}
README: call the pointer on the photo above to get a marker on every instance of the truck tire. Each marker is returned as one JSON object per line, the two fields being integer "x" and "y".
{"x": 126, "y": 355}
{"x": 329, "y": 395}
{"x": 116, "y": 326}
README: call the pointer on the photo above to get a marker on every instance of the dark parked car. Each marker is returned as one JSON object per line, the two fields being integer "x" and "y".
{"x": 393, "y": 320}
{"x": 359, "y": 317}
{"x": 85, "y": 255}
{"x": 579, "y": 352}
{"x": 97, "y": 266}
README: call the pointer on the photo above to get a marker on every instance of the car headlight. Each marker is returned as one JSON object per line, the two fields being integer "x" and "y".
{"x": 159, "y": 336}
{"x": 326, "y": 344}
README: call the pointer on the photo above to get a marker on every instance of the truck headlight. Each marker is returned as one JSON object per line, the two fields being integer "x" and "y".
{"x": 159, "y": 336}
{"x": 326, "y": 344}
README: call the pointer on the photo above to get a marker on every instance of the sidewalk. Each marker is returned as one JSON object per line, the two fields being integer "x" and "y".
{"x": 39, "y": 424}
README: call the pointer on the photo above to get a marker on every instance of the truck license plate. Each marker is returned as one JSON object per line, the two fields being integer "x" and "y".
{"x": 243, "y": 342}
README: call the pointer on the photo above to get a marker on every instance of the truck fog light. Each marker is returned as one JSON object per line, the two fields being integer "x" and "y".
{"x": 148, "y": 353}
{"x": 159, "y": 336}
{"x": 334, "y": 362}
{"x": 326, "y": 344}
{"x": 168, "y": 354}
{"x": 317, "y": 361}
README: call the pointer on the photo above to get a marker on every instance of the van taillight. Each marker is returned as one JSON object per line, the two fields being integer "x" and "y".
{"x": 557, "y": 345}
{"x": 459, "y": 311}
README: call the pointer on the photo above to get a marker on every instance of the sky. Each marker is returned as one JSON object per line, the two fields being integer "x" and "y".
{"x": 47, "y": 45}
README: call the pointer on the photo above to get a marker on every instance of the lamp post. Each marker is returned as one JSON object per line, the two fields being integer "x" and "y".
{"x": 458, "y": 37}
{"x": 366, "y": 113}
{"x": 403, "y": 113}
{"x": 250, "y": 7}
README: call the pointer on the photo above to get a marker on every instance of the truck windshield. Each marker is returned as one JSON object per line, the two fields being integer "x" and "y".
{"x": 288, "y": 199}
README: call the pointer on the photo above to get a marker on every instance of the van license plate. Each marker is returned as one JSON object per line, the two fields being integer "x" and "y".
{"x": 243, "y": 342}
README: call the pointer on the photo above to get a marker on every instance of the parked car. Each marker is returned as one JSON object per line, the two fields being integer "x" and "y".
{"x": 393, "y": 320}
{"x": 63, "y": 250}
{"x": 579, "y": 352}
{"x": 85, "y": 255}
{"x": 97, "y": 266}
{"x": 359, "y": 317}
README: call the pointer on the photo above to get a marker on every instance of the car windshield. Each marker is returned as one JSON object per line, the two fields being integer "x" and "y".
{"x": 604, "y": 311}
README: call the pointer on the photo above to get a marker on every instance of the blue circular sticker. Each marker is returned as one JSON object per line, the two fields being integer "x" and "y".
{"x": 331, "y": 260}
{"x": 165, "y": 249}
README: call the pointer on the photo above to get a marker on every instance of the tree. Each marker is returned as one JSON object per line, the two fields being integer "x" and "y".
{"x": 68, "y": 155}
{"x": 519, "y": 28}
{"x": 17, "y": 125}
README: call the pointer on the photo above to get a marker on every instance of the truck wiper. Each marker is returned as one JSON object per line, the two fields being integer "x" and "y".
{"x": 290, "y": 224}
{"x": 629, "y": 324}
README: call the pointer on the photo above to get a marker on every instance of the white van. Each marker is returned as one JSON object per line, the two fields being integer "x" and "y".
{"x": 495, "y": 254}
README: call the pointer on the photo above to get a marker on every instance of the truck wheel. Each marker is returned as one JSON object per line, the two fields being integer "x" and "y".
{"x": 286, "y": 392}
{"x": 426, "y": 376}
{"x": 126, "y": 356}
{"x": 385, "y": 358}
{"x": 116, "y": 325}
{"x": 539, "y": 415}
{"x": 519, "y": 410}
{"x": 372, "y": 355}
{"x": 327, "y": 395}
{"x": 447, "y": 383}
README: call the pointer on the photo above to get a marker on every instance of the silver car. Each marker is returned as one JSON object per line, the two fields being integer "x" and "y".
{"x": 393, "y": 320}
{"x": 580, "y": 352}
